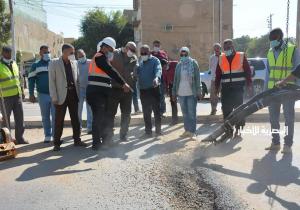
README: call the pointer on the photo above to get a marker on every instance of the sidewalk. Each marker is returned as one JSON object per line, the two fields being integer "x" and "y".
{"x": 32, "y": 115}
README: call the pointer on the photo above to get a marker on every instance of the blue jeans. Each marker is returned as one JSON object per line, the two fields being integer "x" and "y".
{"x": 47, "y": 109}
{"x": 82, "y": 99}
{"x": 289, "y": 115}
{"x": 188, "y": 108}
{"x": 135, "y": 98}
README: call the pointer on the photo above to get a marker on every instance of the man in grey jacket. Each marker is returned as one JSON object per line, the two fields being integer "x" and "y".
{"x": 83, "y": 68}
{"x": 125, "y": 62}
{"x": 64, "y": 89}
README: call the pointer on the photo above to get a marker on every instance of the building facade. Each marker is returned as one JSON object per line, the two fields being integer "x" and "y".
{"x": 196, "y": 24}
{"x": 31, "y": 30}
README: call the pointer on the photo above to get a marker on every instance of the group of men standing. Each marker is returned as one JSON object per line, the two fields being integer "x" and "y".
{"x": 109, "y": 80}
{"x": 105, "y": 82}
{"x": 231, "y": 73}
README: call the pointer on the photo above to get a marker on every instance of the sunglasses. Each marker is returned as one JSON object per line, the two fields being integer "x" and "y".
{"x": 144, "y": 53}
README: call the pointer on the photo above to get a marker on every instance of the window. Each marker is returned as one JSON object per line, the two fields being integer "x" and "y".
{"x": 257, "y": 64}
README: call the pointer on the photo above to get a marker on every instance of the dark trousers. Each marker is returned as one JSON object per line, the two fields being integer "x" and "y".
{"x": 116, "y": 98}
{"x": 150, "y": 99}
{"x": 231, "y": 98}
{"x": 71, "y": 103}
{"x": 173, "y": 105}
{"x": 14, "y": 104}
{"x": 98, "y": 103}
{"x": 289, "y": 116}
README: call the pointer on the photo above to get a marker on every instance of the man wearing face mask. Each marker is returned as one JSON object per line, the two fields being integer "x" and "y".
{"x": 83, "y": 68}
{"x": 161, "y": 55}
{"x": 283, "y": 58}
{"x": 149, "y": 78}
{"x": 233, "y": 72}
{"x": 64, "y": 91}
{"x": 11, "y": 91}
{"x": 39, "y": 77}
{"x": 125, "y": 62}
{"x": 213, "y": 63}
{"x": 99, "y": 89}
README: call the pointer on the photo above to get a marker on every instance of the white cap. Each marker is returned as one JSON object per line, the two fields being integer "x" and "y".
{"x": 110, "y": 42}
{"x": 186, "y": 49}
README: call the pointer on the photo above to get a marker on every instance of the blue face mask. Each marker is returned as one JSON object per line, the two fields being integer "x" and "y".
{"x": 184, "y": 58}
{"x": 46, "y": 57}
{"x": 275, "y": 43}
{"x": 228, "y": 52}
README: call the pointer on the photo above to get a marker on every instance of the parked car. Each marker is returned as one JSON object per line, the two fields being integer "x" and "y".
{"x": 258, "y": 67}
{"x": 260, "y": 71}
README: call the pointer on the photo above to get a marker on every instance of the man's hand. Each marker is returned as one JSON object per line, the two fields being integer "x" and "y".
{"x": 200, "y": 97}
{"x": 281, "y": 83}
{"x": 32, "y": 99}
{"x": 126, "y": 88}
{"x": 55, "y": 102}
{"x": 156, "y": 82}
{"x": 23, "y": 96}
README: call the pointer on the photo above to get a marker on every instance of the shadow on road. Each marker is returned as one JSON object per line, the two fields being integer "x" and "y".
{"x": 47, "y": 163}
{"x": 266, "y": 172}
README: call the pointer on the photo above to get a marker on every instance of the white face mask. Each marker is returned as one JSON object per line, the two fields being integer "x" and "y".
{"x": 129, "y": 54}
{"x": 110, "y": 56}
{"x": 8, "y": 61}
{"x": 145, "y": 57}
{"x": 156, "y": 49}
{"x": 82, "y": 59}
{"x": 71, "y": 58}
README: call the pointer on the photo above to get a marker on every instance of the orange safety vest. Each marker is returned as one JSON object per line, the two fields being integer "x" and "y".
{"x": 98, "y": 76}
{"x": 234, "y": 71}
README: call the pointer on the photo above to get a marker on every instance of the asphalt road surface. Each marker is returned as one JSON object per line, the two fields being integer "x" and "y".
{"x": 157, "y": 173}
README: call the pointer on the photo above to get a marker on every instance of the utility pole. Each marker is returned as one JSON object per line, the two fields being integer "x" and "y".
{"x": 298, "y": 24}
{"x": 270, "y": 22}
{"x": 12, "y": 27}
{"x": 221, "y": 20}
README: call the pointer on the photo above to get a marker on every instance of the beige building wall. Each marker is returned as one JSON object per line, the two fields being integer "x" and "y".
{"x": 30, "y": 35}
{"x": 189, "y": 23}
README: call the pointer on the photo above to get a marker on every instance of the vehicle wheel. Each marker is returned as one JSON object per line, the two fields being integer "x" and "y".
{"x": 258, "y": 87}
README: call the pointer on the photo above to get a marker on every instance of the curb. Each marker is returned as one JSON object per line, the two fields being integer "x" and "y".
{"x": 262, "y": 117}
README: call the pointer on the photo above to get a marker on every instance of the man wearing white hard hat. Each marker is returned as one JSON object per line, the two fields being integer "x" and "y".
{"x": 125, "y": 62}
{"x": 99, "y": 87}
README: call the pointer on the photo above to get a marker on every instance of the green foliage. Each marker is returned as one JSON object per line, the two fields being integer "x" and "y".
{"x": 258, "y": 47}
{"x": 97, "y": 25}
{"x": 242, "y": 43}
{"x": 5, "y": 24}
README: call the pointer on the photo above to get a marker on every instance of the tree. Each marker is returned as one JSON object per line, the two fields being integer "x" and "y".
{"x": 5, "y": 24}
{"x": 242, "y": 43}
{"x": 258, "y": 47}
{"x": 97, "y": 25}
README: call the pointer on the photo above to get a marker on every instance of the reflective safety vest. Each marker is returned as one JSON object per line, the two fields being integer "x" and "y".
{"x": 280, "y": 68}
{"x": 9, "y": 80}
{"x": 97, "y": 76}
{"x": 232, "y": 72}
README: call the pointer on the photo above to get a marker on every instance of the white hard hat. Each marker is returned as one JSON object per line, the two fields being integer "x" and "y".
{"x": 185, "y": 49}
{"x": 110, "y": 42}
